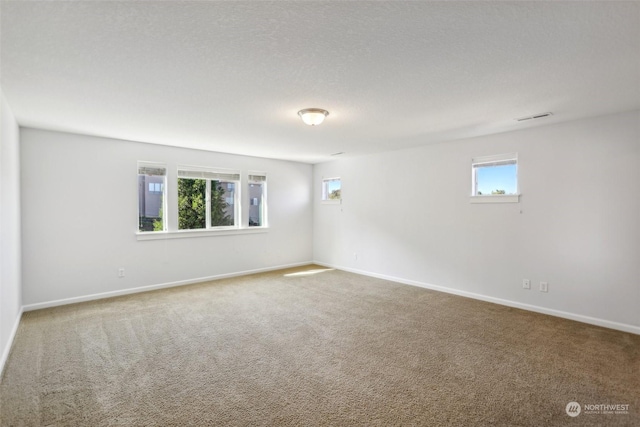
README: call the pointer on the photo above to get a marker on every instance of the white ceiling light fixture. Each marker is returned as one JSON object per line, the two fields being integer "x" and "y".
{"x": 313, "y": 116}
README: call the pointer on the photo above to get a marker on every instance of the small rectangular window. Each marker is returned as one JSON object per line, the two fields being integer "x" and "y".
{"x": 331, "y": 190}
{"x": 207, "y": 198}
{"x": 151, "y": 197}
{"x": 155, "y": 187}
{"x": 257, "y": 200}
{"x": 493, "y": 176}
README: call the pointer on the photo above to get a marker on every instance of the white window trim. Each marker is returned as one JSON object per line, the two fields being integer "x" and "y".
{"x": 202, "y": 232}
{"x": 494, "y": 198}
{"x": 323, "y": 195}
{"x": 332, "y": 202}
{"x": 159, "y": 165}
{"x": 207, "y": 173}
{"x": 241, "y": 226}
{"x": 264, "y": 209}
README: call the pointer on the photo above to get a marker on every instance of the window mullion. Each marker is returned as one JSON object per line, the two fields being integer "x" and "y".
{"x": 237, "y": 201}
{"x": 208, "y": 203}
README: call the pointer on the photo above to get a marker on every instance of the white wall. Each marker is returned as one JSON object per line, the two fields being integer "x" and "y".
{"x": 80, "y": 214}
{"x": 407, "y": 215}
{"x": 10, "y": 295}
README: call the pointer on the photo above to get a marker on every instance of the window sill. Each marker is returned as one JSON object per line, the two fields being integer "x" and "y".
{"x": 187, "y": 234}
{"x": 496, "y": 198}
{"x": 332, "y": 202}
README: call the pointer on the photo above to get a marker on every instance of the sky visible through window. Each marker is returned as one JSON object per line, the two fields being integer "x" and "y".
{"x": 332, "y": 185}
{"x": 494, "y": 178}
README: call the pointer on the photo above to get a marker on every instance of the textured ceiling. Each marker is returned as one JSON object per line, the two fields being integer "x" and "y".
{"x": 231, "y": 76}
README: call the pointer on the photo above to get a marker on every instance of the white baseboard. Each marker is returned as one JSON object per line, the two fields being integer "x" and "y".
{"x": 12, "y": 335}
{"x": 558, "y": 313}
{"x": 47, "y": 304}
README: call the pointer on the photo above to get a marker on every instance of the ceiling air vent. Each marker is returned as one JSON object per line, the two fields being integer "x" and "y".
{"x": 536, "y": 116}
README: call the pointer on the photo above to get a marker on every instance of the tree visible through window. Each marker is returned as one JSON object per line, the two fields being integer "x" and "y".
{"x": 207, "y": 199}
{"x": 222, "y": 203}
{"x": 192, "y": 203}
{"x": 331, "y": 189}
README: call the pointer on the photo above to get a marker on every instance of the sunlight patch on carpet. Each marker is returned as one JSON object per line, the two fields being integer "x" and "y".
{"x": 308, "y": 272}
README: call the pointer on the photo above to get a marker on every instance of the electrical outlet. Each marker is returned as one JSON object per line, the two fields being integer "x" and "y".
{"x": 544, "y": 287}
{"x": 526, "y": 284}
{"x": 121, "y": 272}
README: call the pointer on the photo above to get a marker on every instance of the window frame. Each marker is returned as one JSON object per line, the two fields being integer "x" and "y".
{"x": 170, "y": 206}
{"x": 155, "y": 184}
{"x": 488, "y": 161}
{"x": 325, "y": 191}
{"x": 209, "y": 175}
{"x": 254, "y": 177}
{"x": 150, "y": 166}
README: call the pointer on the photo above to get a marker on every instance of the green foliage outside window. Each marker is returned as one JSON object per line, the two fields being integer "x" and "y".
{"x": 158, "y": 224}
{"x": 191, "y": 204}
{"x": 192, "y": 211}
{"x": 219, "y": 216}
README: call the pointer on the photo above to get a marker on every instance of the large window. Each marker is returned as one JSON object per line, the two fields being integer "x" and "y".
{"x": 207, "y": 198}
{"x": 331, "y": 190}
{"x": 211, "y": 200}
{"x": 257, "y": 200}
{"x": 151, "y": 196}
{"x": 493, "y": 176}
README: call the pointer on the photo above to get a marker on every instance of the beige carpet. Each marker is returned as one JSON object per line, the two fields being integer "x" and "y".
{"x": 331, "y": 348}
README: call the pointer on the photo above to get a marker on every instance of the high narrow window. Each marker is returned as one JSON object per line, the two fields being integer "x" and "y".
{"x": 257, "y": 200}
{"x": 495, "y": 176}
{"x": 207, "y": 198}
{"x": 331, "y": 190}
{"x": 151, "y": 196}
